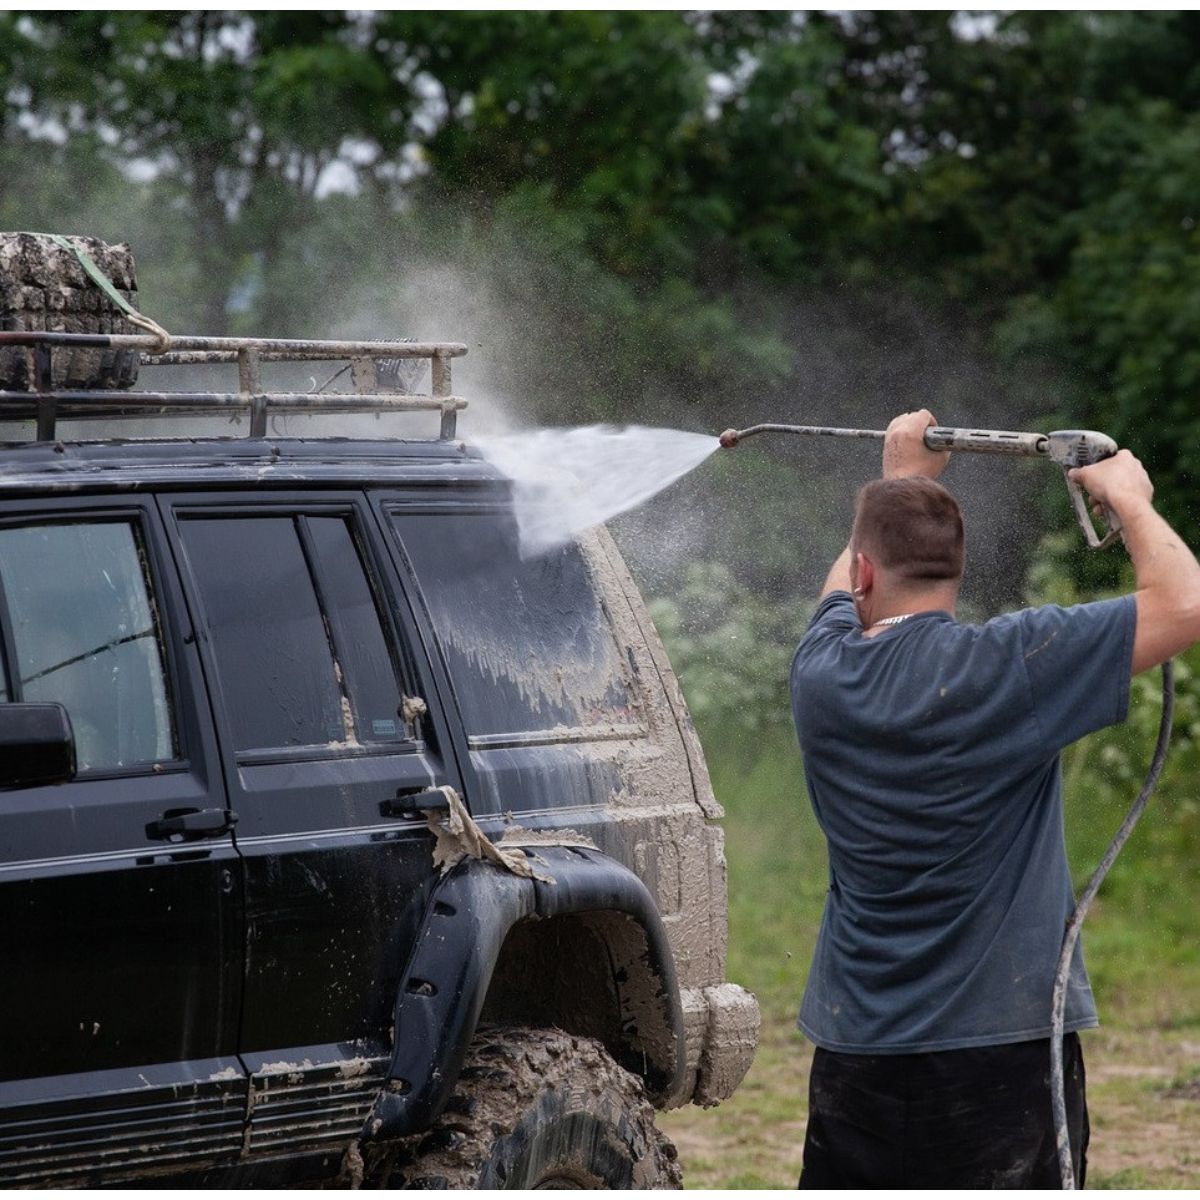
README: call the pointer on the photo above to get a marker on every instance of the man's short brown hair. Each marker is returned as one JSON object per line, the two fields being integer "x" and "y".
{"x": 911, "y": 527}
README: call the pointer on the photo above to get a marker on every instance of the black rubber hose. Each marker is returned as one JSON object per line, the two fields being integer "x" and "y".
{"x": 1057, "y": 1088}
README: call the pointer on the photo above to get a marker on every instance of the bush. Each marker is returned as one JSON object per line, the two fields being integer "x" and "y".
{"x": 731, "y": 648}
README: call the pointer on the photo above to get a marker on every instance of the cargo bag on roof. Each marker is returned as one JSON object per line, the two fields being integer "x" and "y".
{"x": 43, "y": 285}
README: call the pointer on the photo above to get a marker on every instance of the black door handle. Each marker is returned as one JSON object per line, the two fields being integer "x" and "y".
{"x": 413, "y": 802}
{"x": 188, "y": 824}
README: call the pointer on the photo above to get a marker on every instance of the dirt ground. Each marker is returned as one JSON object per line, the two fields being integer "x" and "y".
{"x": 1143, "y": 1097}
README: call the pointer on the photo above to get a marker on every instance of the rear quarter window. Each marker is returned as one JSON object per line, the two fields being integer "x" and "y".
{"x": 527, "y": 642}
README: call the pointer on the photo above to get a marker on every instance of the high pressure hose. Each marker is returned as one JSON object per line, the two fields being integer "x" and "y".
{"x": 1057, "y": 1085}
{"x": 1072, "y": 448}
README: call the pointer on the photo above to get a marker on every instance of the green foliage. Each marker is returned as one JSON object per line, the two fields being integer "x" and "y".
{"x": 817, "y": 203}
{"x": 1133, "y": 290}
{"x": 235, "y": 115}
{"x": 595, "y": 109}
{"x": 731, "y": 649}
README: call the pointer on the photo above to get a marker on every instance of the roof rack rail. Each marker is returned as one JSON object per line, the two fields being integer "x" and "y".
{"x": 364, "y": 359}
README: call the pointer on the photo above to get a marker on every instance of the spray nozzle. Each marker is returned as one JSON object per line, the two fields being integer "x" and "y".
{"x": 730, "y": 438}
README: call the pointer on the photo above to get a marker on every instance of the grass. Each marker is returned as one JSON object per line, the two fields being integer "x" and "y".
{"x": 1143, "y": 1065}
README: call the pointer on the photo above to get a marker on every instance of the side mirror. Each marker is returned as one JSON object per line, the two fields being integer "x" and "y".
{"x": 37, "y": 745}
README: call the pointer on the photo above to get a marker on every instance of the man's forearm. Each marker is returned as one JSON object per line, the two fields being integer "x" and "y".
{"x": 1161, "y": 558}
{"x": 1167, "y": 577}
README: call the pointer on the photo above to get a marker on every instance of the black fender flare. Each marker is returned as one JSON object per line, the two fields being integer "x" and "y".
{"x": 445, "y": 981}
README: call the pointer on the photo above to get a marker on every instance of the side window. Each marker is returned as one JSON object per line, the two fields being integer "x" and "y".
{"x": 528, "y": 644}
{"x": 82, "y": 629}
{"x": 299, "y": 645}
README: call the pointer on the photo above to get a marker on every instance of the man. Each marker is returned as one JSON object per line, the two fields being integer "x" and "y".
{"x": 931, "y": 752}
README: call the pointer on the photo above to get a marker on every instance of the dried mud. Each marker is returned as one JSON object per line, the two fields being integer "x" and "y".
{"x": 517, "y": 1079}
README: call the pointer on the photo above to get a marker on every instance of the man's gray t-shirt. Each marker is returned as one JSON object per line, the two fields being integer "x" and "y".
{"x": 931, "y": 753}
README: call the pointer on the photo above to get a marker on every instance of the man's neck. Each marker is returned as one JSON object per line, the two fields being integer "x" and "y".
{"x": 886, "y": 609}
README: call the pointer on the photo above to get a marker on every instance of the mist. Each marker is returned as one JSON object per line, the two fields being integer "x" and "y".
{"x": 548, "y": 348}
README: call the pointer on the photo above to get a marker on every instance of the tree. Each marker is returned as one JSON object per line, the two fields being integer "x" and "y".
{"x": 235, "y": 116}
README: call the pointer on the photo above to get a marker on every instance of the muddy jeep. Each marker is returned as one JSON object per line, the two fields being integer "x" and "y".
{"x": 338, "y": 843}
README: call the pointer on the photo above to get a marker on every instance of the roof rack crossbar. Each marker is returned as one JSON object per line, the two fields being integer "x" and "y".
{"x": 45, "y": 405}
{"x": 91, "y": 404}
{"x": 276, "y": 349}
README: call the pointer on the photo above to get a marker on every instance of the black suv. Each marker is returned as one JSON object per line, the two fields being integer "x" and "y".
{"x": 337, "y": 840}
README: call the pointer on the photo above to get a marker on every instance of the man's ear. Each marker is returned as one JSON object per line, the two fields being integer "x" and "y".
{"x": 862, "y": 573}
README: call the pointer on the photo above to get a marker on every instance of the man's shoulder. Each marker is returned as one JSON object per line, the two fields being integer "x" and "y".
{"x": 834, "y": 617}
{"x": 834, "y": 610}
{"x": 1077, "y": 661}
{"x": 1074, "y": 620}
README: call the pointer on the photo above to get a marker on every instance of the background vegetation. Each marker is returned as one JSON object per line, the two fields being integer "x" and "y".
{"x": 702, "y": 220}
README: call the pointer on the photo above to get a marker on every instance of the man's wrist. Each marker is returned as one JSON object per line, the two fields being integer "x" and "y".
{"x": 1129, "y": 506}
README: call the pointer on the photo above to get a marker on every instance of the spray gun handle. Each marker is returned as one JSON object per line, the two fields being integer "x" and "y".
{"x": 1067, "y": 447}
{"x": 1080, "y": 448}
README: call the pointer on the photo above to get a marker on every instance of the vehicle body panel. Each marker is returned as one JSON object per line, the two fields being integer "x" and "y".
{"x": 275, "y": 957}
{"x": 122, "y": 951}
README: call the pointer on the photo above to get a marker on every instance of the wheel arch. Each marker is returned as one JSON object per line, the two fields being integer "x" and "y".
{"x": 487, "y": 936}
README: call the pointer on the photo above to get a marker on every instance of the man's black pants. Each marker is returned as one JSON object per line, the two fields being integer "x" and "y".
{"x": 977, "y": 1118}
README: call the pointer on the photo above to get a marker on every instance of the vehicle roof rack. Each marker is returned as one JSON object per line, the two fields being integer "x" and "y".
{"x": 364, "y": 358}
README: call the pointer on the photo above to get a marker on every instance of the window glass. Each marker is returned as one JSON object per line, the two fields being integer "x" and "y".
{"x": 85, "y": 633}
{"x": 528, "y": 645}
{"x": 293, "y": 674}
{"x": 267, "y": 632}
{"x": 363, "y": 651}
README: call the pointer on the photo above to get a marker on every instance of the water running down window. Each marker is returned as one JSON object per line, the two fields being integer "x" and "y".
{"x": 528, "y": 644}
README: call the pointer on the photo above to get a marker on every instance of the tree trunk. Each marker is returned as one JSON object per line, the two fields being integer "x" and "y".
{"x": 214, "y": 253}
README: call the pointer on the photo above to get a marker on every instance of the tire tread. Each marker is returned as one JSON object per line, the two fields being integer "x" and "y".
{"x": 509, "y": 1072}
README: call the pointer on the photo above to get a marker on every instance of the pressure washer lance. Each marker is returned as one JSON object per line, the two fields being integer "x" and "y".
{"x": 1069, "y": 448}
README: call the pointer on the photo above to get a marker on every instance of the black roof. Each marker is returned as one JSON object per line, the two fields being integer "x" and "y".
{"x": 192, "y": 463}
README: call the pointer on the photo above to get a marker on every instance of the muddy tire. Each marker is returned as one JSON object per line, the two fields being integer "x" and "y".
{"x": 539, "y": 1108}
{"x": 43, "y": 286}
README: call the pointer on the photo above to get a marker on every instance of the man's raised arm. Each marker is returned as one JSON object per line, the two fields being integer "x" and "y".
{"x": 1166, "y": 572}
{"x": 904, "y": 453}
